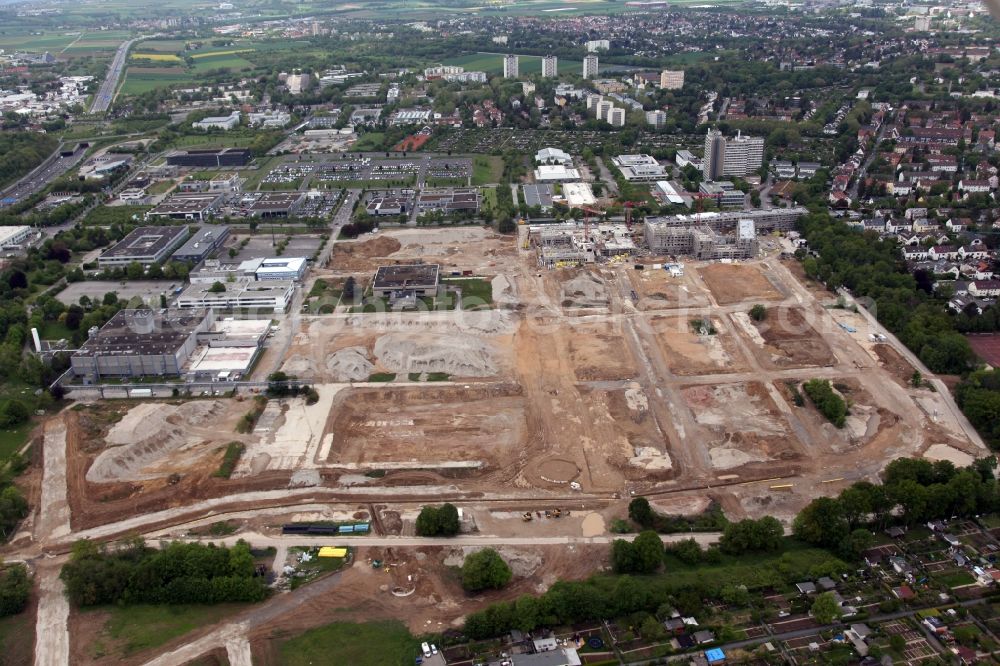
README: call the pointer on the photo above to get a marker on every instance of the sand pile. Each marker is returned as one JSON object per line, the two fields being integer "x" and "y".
{"x": 585, "y": 290}
{"x": 147, "y": 436}
{"x": 503, "y": 291}
{"x": 455, "y": 354}
{"x": 350, "y": 364}
{"x": 298, "y": 365}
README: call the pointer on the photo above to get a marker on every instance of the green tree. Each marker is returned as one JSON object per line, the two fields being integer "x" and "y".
{"x": 217, "y": 288}
{"x": 825, "y": 608}
{"x": 821, "y": 523}
{"x": 134, "y": 271}
{"x": 758, "y": 312}
{"x": 648, "y": 548}
{"x": 641, "y": 512}
{"x": 485, "y": 570}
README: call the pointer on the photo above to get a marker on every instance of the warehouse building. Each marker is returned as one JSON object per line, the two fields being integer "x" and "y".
{"x": 198, "y": 206}
{"x": 277, "y": 204}
{"x": 140, "y": 343}
{"x": 146, "y": 245}
{"x": 228, "y": 157}
{"x": 202, "y": 244}
{"x": 413, "y": 279}
{"x": 449, "y": 200}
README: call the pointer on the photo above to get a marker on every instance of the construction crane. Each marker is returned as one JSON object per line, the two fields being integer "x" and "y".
{"x": 628, "y": 212}
{"x": 587, "y": 212}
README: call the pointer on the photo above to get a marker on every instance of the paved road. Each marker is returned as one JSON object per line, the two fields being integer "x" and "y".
{"x": 266, "y": 541}
{"x": 853, "y": 192}
{"x": 106, "y": 94}
{"x": 46, "y": 172}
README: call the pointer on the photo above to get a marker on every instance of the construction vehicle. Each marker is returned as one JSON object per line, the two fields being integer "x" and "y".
{"x": 526, "y": 517}
{"x": 556, "y": 513}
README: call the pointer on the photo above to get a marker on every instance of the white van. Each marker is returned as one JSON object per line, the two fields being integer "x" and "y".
{"x": 426, "y": 648}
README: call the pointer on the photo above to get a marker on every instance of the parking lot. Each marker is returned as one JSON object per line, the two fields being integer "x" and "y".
{"x": 148, "y": 290}
{"x": 260, "y": 245}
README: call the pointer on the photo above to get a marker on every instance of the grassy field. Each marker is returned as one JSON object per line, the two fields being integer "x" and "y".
{"x": 487, "y": 169}
{"x": 477, "y": 294}
{"x": 13, "y": 439}
{"x": 168, "y": 45}
{"x": 369, "y": 141}
{"x": 132, "y": 629}
{"x": 198, "y": 55}
{"x": 137, "y": 81}
{"x": 492, "y": 63}
{"x": 368, "y": 644}
{"x": 17, "y": 638}
{"x": 158, "y": 57}
{"x": 221, "y": 62}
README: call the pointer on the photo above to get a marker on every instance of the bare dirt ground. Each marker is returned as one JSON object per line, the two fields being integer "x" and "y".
{"x": 689, "y": 353}
{"x": 658, "y": 290}
{"x": 596, "y": 352}
{"x": 746, "y": 425}
{"x": 894, "y": 363}
{"x": 785, "y": 339}
{"x": 424, "y": 424}
{"x": 735, "y": 283}
{"x": 461, "y": 248}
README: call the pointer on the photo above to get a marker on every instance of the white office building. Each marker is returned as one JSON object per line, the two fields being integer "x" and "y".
{"x": 219, "y": 122}
{"x": 616, "y": 116}
{"x": 274, "y": 295}
{"x": 510, "y": 70}
{"x": 550, "y": 67}
{"x": 590, "y": 66}
{"x": 598, "y": 45}
{"x": 12, "y": 238}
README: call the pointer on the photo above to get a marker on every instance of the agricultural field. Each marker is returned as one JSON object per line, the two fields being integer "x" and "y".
{"x": 138, "y": 80}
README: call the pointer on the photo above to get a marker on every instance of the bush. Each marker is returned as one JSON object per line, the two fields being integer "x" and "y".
{"x": 181, "y": 573}
{"x": 15, "y": 588}
{"x": 438, "y": 521}
{"x": 758, "y": 312}
{"x": 831, "y": 405}
{"x": 485, "y": 570}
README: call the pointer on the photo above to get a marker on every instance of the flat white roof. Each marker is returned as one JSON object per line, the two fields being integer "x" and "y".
{"x": 242, "y": 328}
{"x": 6, "y": 233}
{"x": 579, "y": 194}
{"x": 555, "y": 172}
{"x": 222, "y": 359}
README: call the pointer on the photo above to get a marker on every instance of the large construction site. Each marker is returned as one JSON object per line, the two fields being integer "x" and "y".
{"x": 576, "y": 389}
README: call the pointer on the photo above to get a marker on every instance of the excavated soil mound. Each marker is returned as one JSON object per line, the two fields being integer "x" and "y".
{"x": 147, "y": 436}
{"x": 454, "y": 354}
{"x": 585, "y": 290}
{"x": 349, "y": 365}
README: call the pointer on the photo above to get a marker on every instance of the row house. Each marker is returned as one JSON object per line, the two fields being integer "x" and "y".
{"x": 984, "y": 288}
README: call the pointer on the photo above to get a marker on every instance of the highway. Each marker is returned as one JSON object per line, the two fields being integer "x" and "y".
{"x": 106, "y": 94}
{"x": 53, "y": 167}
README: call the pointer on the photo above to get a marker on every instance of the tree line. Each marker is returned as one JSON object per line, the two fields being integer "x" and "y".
{"x": 912, "y": 491}
{"x": 180, "y": 573}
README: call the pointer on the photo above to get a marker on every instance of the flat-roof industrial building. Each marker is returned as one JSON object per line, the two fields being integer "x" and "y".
{"x": 227, "y": 157}
{"x": 163, "y": 343}
{"x": 13, "y": 238}
{"x": 243, "y": 293}
{"x": 277, "y": 204}
{"x": 188, "y": 206}
{"x": 449, "y": 200}
{"x": 146, "y": 245}
{"x": 417, "y": 279}
{"x": 276, "y": 268}
{"x": 202, "y": 244}
{"x": 140, "y": 343}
